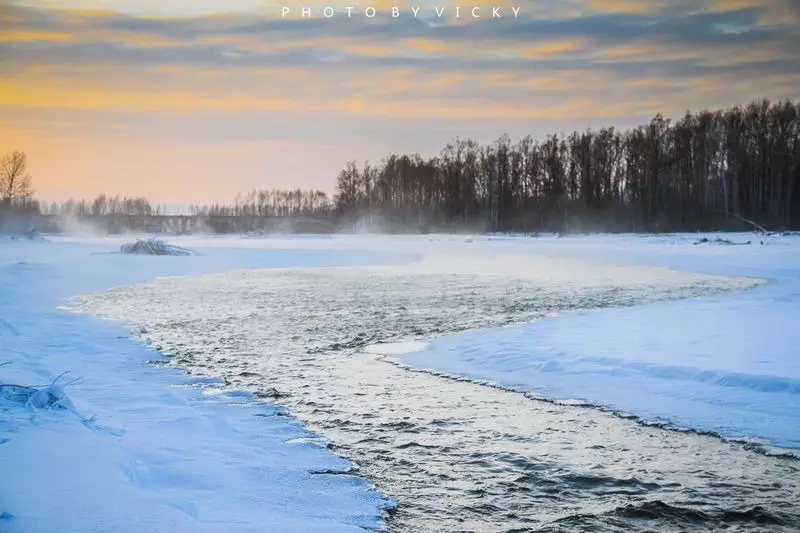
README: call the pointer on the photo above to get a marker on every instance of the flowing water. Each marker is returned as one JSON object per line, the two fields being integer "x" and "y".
{"x": 456, "y": 455}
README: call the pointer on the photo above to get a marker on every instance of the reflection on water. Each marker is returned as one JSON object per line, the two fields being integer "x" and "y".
{"x": 458, "y": 455}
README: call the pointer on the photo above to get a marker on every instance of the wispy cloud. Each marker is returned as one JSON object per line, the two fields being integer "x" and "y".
{"x": 558, "y": 63}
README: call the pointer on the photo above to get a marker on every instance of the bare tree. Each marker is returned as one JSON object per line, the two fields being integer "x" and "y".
{"x": 15, "y": 181}
{"x": 707, "y": 170}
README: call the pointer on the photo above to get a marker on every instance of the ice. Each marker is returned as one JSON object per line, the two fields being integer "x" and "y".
{"x": 725, "y": 364}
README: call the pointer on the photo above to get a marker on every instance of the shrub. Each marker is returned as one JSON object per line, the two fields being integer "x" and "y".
{"x": 153, "y": 246}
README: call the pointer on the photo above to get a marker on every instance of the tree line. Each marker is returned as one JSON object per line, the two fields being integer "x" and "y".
{"x": 251, "y": 211}
{"x": 104, "y": 205}
{"x": 256, "y": 203}
{"x": 271, "y": 203}
{"x": 707, "y": 170}
{"x": 255, "y": 211}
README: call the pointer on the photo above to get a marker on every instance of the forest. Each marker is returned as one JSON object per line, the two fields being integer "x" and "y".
{"x": 733, "y": 168}
{"x": 706, "y": 171}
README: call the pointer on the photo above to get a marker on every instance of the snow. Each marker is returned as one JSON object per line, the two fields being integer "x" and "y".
{"x": 142, "y": 447}
{"x": 397, "y": 348}
{"x": 727, "y": 364}
{"x": 148, "y": 448}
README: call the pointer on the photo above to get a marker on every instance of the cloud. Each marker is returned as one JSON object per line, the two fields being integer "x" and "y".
{"x": 222, "y": 42}
{"x": 214, "y": 72}
{"x": 235, "y": 62}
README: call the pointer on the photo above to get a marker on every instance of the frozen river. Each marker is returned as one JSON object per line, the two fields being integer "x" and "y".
{"x": 455, "y": 454}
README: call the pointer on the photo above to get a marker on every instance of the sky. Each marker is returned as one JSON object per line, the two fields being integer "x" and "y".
{"x": 192, "y": 101}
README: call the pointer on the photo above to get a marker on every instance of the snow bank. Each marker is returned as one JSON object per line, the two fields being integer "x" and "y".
{"x": 143, "y": 447}
{"x": 725, "y": 364}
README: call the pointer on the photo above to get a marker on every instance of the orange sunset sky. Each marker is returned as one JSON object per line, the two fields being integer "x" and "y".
{"x": 195, "y": 100}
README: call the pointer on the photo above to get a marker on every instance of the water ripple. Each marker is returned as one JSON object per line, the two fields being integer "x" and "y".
{"x": 456, "y": 455}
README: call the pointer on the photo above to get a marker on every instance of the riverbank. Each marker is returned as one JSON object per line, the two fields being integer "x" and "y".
{"x": 139, "y": 446}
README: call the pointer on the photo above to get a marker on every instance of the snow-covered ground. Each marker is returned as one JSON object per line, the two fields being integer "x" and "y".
{"x": 145, "y": 448}
{"x": 728, "y": 364}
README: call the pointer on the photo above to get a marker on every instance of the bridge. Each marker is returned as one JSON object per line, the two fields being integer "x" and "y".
{"x": 164, "y": 224}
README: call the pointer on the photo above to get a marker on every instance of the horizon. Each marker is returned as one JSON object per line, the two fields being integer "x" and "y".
{"x": 197, "y": 101}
